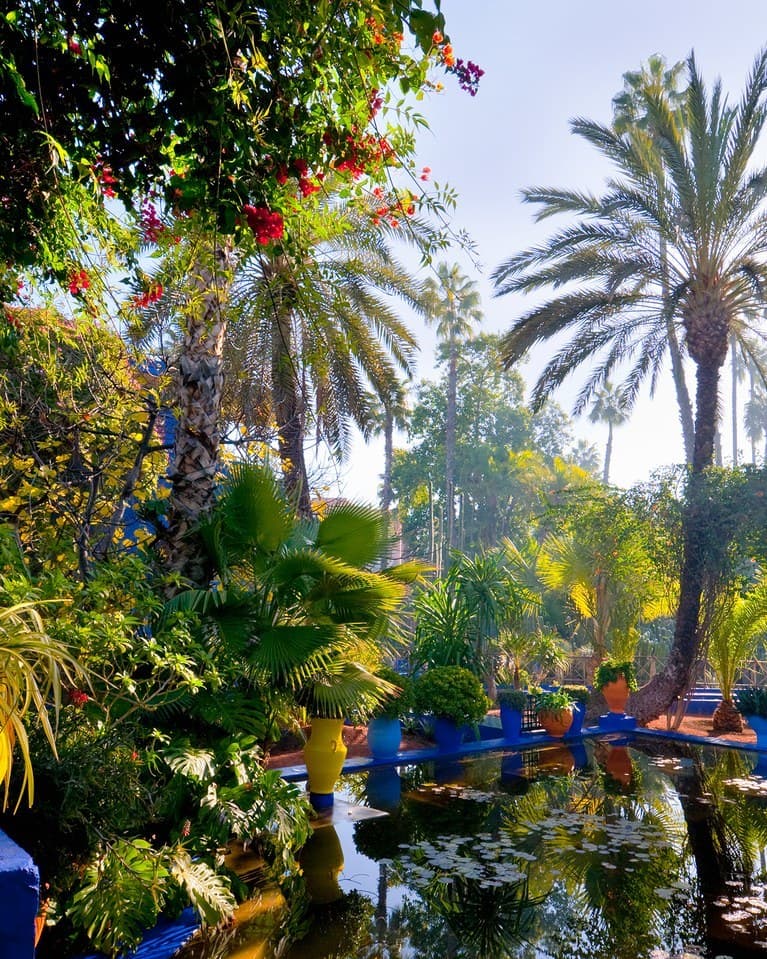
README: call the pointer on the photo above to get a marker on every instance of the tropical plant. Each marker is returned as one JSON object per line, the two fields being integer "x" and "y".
{"x": 578, "y": 694}
{"x": 315, "y": 341}
{"x": 737, "y": 623}
{"x": 453, "y": 302}
{"x": 451, "y": 692}
{"x": 602, "y": 562}
{"x": 700, "y": 197}
{"x": 552, "y": 700}
{"x": 460, "y": 619}
{"x": 298, "y": 604}
{"x": 610, "y": 670}
{"x": 33, "y": 669}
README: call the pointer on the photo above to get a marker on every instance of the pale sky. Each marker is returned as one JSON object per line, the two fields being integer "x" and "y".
{"x": 546, "y": 62}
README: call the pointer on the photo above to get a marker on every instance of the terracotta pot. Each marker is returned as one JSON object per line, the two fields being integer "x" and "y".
{"x": 616, "y": 695}
{"x": 556, "y": 722}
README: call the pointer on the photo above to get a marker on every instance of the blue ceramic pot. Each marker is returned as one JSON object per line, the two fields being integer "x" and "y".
{"x": 759, "y": 726}
{"x": 447, "y": 735}
{"x": 384, "y": 737}
{"x": 511, "y": 722}
{"x": 579, "y": 711}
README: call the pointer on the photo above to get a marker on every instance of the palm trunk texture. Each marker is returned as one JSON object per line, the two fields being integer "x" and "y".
{"x": 675, "y": 677}
{"x": 199, "y": 385}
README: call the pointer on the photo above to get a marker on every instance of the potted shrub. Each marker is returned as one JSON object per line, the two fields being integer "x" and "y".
{"x": 555, "y": 711}
{"x": 385, "y": 725}
{"x": 752, "y": 703}
{"x": 615, "y": 681}
{"x": 580, "y": 696}
{"x": 454, "y": 697}
{"x": 513, "y": 703}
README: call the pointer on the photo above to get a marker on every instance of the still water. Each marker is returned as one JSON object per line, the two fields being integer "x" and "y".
{"x": 597, "y": 851}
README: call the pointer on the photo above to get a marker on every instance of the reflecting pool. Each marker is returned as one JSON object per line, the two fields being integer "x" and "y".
{"x": 606, "y": 850}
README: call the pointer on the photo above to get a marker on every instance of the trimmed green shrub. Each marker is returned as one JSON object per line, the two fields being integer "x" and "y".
{"x": 451, "y": 692}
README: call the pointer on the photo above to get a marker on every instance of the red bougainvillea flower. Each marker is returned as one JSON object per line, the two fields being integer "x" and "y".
{"x": 74, "y": 46}
{"x": 282, "y": 175}
{"x": 307, "y": 186}
{"x": 145, "y": 299}
{"x": 151, "y": 224}
{"x": 267, "y": 225}
{"x": 79, "y": 281}
{"x": 301, "y": 167}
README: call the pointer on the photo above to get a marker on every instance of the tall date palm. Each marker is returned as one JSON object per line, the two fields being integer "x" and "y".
{"x": 708, "y": 205}
{"x": 453, "y": 303}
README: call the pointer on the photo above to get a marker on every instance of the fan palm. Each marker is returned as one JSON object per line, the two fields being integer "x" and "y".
{"x": 297, "y": 604}
{"x": 453, "y": 303}
{"x": 708, "y": 206}
{"x": 313, "y": 338}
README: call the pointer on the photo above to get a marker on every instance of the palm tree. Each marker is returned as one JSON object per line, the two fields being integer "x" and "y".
{"x": 453, "y": 302}
{"x": 315, "y": 335}
{"x": 394, "y": 413}
{"x": 608, "y": 407}
{"x": 708, "y": 206}
{"x": 756, "y": 418}
{"x": 629, "y": 112}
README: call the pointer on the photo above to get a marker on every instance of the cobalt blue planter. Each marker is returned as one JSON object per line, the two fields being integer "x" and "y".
{"x": 759, "y": 726}
{"x": 511, "y": 722}
{"x": 447, "y": 734}
{"x": 579, "y": 711}
{"x": 384, "y": 737}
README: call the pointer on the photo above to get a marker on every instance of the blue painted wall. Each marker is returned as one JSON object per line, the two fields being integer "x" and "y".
{"x": 19, "y": 900}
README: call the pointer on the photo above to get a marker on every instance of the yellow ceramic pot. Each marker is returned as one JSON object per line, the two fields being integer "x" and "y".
{"x": 324, "y": 755}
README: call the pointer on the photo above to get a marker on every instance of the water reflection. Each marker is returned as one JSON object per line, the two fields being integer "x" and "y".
{"x": 612, "y": 851}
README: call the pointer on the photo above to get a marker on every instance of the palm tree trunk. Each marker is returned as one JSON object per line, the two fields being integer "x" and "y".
{"x": 386, "y": 490}
{"x": 608, "y": 453}
{"x": 734, "y": 399}
{"x": 199, "y": 382}
{"x": 289, "y": 415}
{"x": 677, "y": 365}
{"x": 450, "y": 428}
{"x": 676, "y": 675}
